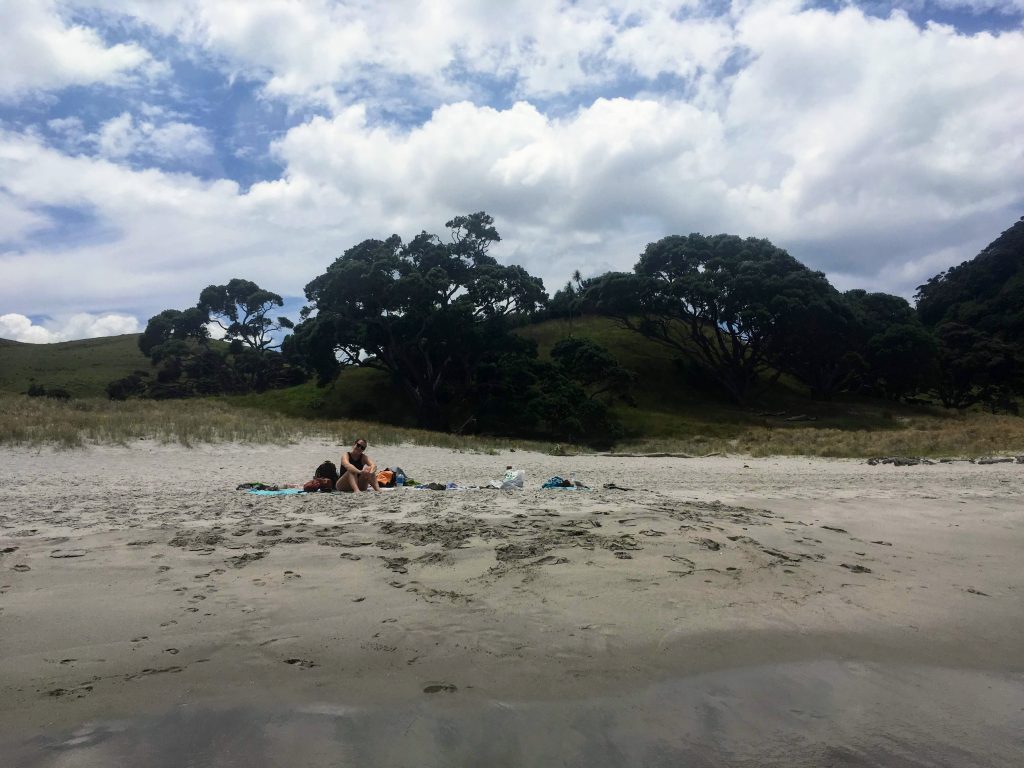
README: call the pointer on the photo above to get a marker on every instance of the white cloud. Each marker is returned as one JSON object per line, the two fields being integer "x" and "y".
{"x": 40, "y": 51}
{"x": 322, "y": 51}
{"x": 124, "y": 136}
{"x": 79, "y": 326}
{"x": 871, "y": 148}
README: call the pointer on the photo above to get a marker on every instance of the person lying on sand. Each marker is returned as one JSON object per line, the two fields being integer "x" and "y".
{"x": 358, "y": 471}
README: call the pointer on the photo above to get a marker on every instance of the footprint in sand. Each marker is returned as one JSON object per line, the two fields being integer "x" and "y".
{"x": 292, "y": 575}
{"x": 855, "y": 568}
{"x": 711, "y": 544}
{"x": 349, "y": 556}
{"x": 21, "y": 568}
{"x": 59, "y": 553}
{"x": 440, "y": 688}
{"x": 301, "y": 663}
{"x": 550, "y": 560}
{"x": 243, "y": 560}
{"x": 78, "y": 692}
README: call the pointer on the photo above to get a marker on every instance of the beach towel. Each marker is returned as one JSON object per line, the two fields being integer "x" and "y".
{"x": 279, "y": 492}
{"x": 564, "y": 485}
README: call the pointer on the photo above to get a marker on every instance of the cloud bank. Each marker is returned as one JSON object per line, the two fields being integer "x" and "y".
{"x": 877, "y": 147}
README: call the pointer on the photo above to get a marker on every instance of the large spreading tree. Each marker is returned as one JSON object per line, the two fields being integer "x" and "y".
{"x": 430, "y": 312}
{"x": 722, "y": 301}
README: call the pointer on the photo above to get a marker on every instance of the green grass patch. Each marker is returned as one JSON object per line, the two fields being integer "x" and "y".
{"x": 83, "y": 368}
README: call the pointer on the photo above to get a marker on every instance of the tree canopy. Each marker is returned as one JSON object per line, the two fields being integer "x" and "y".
{"x": 241, "y": 309}
{"x": 429, "y": 312}
{"x": 722, "y": 301}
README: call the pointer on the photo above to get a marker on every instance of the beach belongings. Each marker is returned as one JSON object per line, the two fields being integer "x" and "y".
{"x": 277, "y": 492}
{"x": 399, "y": 477}
{"x": 560, "y": 482}
{"x": 614, "y": 487}
{"x": 257, "y": 487}
{"x": 514, "y": 479}
{"x": 319, "y": 484}
{"x": 386, "y": 478}
{"x": 328, "y": 470}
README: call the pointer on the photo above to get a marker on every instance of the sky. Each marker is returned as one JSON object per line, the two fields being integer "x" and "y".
{"x": 151, "y": 148}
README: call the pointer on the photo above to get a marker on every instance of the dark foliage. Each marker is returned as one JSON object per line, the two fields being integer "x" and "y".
{"x": 977, "y": 311}
{"x": 241, "y": 309}
{"x": 724, "y": 302}
{"x": 187, "y": 364}
{"x": 437, "y": 315}
{"x": 55, "y": 393}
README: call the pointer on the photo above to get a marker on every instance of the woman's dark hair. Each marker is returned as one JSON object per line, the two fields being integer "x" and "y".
{"x": 328, "y": 470}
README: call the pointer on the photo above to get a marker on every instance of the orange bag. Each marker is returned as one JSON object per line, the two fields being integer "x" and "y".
{"x": 386, "y": 478}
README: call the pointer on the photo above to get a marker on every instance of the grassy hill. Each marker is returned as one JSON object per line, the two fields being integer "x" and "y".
{"x": 83, "y": 367}
{"x": 669, "y": 402}
{"x": 673, "y": 412}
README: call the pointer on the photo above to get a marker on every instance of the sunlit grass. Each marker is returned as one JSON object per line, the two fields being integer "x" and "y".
{"x": 955, "y": 435}
{"x": 39, "y": 421}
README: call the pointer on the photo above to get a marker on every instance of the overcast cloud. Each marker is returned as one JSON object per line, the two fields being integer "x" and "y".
{"x": 148, "y": 149}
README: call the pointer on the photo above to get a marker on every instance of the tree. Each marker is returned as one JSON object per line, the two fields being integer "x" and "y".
{"x": 593, "y": 368}
{"x": 977, "y": 311}
{"x": 899, "y": 353}
{"x": 973, "y": 366}
{"x": 721, "y": 301}
{"x": 818, "y": 343}
{"x": 178, "y": 344}
{"x": 241, "y": 308}
{"x": 985, "y": 293}
{"x": 174, "y": 325}
{"x": 429, "y": 312}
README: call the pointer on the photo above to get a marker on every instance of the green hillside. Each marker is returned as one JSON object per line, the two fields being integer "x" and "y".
{"x": 669, "y": 402}
{"x": 83, "y": 367}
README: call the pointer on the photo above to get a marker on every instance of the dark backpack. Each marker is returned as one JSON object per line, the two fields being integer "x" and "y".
{"x": 328, "y": 470}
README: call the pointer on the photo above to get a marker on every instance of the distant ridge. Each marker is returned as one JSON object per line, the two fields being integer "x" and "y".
{"x": 83, "y": 367}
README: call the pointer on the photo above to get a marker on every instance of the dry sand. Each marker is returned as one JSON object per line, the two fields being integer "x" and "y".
{"x": 136, "y": 580}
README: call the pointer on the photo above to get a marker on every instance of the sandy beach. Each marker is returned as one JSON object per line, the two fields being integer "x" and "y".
{"x": 138, "y": 582}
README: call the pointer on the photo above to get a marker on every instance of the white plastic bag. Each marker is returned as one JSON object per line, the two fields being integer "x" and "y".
{"x": 513, "y": 479}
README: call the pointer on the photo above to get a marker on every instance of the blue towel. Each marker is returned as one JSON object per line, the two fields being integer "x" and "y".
{"x": 282, "y": 492}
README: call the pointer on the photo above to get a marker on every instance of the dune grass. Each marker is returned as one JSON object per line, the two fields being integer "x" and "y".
{"x": 969, "y": 435}
{"x": 36, "y": 422}
{"x": 32, "y": 422}
{"x": 673, "y": 412}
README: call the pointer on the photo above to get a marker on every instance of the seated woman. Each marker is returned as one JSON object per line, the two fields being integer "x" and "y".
{"x": 358, "y": 471}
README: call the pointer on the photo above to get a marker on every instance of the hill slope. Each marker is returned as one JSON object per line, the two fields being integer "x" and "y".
{"x": 669, "y": 401}
{"x": 83, "y": 368}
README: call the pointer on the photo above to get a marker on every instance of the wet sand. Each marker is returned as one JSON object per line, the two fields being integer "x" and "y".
{"x": 140, "y": 593}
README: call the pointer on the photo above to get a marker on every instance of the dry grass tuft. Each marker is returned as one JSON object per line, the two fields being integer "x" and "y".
{"x": 956, "y": 435}
{"x": 39, "y": 421}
